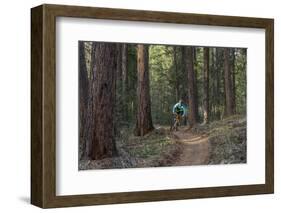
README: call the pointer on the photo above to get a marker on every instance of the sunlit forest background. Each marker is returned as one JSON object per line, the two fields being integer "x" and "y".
{"x": 211, "y": 81}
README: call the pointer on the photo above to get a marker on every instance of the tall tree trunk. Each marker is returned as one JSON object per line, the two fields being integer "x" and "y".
{"x": 195, "y": 83}
{"x": 192, "y": 116}
{"x": 244, "y": 65}
{"x": 177, "y": 85}
{"x": 125, "y": 87}
{"x": 144, "y": 119}
{"x": 104, "y": 75}
{"x": 119, "y": 96}
{"x": 206, "y": 85}
{"x": 232, "y": 70}
{"x": 89, "y": 122}
{"x": 184, "y": 84}
{"x": 83, "y": 100}
{"x": 212, "y": 84}
{"x": 219, "y": 77}
{"x": 228, "y": 88}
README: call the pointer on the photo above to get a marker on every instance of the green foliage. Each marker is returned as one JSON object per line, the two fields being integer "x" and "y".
{"x": 167, "y": 72}
{"x": 168, "y": 81}
{"x": 160, "y": 65}
{"x": 148, "y": 147}
{"x": 163, "y": 80}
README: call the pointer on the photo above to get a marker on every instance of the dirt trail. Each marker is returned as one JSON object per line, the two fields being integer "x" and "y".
{"x": 195, "y": 148}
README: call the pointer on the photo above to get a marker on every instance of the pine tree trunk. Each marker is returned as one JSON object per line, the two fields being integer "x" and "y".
{"x": 184, "y": 84}
{"x": 232, "y": 70}
{"x": 192, "y": 117}
{"x": 195, "y": 83}
{"x": 119, "y": 98}
{"x": 83, "y": 99}
{"x": 104, "y": 75}
{"x": 206, "y": 85}
{"x": 144, "y": 119}
{"x": 219, "y": 78}
{"x": 228, "y": 88}
{"x": 89, "y": 122}
{"x": 212, "y": 84}
{"x": 125, "y": 87}
{"x": 177, "y": 86}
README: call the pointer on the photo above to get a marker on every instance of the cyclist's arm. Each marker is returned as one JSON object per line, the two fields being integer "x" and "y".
{"x": 174, "y": 109}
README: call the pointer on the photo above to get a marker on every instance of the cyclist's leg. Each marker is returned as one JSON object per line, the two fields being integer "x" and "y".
{"x": 177, "y": 121}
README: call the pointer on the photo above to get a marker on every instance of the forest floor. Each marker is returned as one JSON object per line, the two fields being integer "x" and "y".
{"x": 219, "y": 142}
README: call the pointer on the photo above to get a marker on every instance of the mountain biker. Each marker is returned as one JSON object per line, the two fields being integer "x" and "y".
{"x": 179, "y": 109}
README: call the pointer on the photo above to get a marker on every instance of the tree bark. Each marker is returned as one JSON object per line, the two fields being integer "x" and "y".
{"x": 83, "y": 100}
{"x": 219, "y": 98}
{"x": 212, "y": 86}
{"x": 104, "y": 79}
{"x": 119, "y": 98}
{"x": 195, "y": 68}
{"x": 232, "y": 70}
{"x": 206, "y": 86}
{"x": 89, "y": 122}
{"x": 144, "y": 119}
{"x": 184, "y": 73}
{"x": 177, "y": 85}
{"x": 228, "y": 88}
{"x": 125, "y": 87}
{"x": 192, "y": 116}
{"x": 119, "y": 62}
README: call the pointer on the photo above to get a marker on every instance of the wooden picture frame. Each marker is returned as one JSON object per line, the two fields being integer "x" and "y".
{"x": 43, "y": 105}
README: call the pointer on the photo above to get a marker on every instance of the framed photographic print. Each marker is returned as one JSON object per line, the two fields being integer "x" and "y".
{"x": 136, "y": 106}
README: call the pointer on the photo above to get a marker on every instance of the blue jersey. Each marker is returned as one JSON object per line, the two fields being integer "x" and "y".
{"x": 179, "y": 108}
